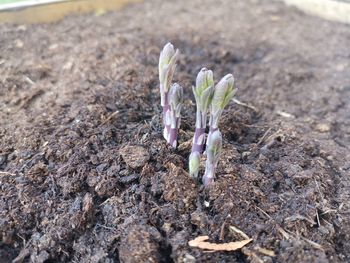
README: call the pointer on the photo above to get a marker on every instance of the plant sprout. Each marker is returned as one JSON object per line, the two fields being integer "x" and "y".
{"x": 213, "y": 150}
{"x": 167, "y": 64}
{"x": 173, "y": 115}
{"x": 208, "y": 98}
{"x": 194, "y": 162}
{"x": 223, "y": 93}
{"x": 202, "y": 92}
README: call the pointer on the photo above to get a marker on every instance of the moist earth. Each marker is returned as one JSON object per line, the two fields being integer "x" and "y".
{"x": 85, "y": 175}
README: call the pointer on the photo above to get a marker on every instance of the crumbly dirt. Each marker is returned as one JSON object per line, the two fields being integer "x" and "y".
{"x": 85, "y": 175}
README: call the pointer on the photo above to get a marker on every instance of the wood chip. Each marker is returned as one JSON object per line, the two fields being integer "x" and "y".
{"x": 285, "y": 114}
{"x": 245, "y": 105}
{"x": 284, "y": 233}
{"x": 7, "y": 173}
{"x": 266, "y": 251}
{"x": 299, "y": 217}
{"x": 323, "y": 127}
{"x": 238, "y": 231}
{"x": 200, "y": 242}
{"x": 312, "y": 243}
{"x": 110, "y": 117}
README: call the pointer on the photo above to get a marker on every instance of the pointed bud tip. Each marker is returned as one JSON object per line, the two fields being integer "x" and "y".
{"x": 167, "y": 53}
{"x": 175, "y": 88}
{"x": 215, "y": 137}
{"x": 169, "y": 45}
{"x": 194, "y": 162}
{"x": 229, "y": 78}
{"x": 204, "y": 81}
{"x": 175, "y": 95}
{"x": 224, "y": 91}
{"x": 208, "y": 73}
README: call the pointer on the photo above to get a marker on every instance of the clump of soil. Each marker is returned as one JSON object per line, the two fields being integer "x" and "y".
{"x": 86, "y": 176}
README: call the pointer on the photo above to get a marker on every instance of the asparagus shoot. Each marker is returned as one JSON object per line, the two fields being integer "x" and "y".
{"x": 173, "y": 115}
{"x": 202, "y": 92}
{"x": 167, "y": 64}
{"x": 213, "y": 150}
{"x": 223, "y": 93}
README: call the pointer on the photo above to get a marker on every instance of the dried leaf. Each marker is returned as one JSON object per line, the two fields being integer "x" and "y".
{"x": 231, "y": 246}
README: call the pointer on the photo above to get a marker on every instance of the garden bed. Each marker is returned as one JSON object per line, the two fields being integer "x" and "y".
{"x": 85, "y": 175}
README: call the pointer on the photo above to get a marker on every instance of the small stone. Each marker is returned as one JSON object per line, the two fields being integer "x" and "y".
{"x": 167, "y": 227}
{"x": 189, "y": 259}
{"x": 19, "y": 43}
{"x": 135, "y": 156}
{"x": 323, "y": 127}
{"x": 245, "y": 154}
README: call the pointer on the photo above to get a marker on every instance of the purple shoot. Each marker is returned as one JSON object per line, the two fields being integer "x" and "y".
{"x": 223, "y": 93}
{"x": 167, "y": 64}
{"x": 202, "y": 92}
{"x": 213, "y": 150}
{"x": 173, "y": 115}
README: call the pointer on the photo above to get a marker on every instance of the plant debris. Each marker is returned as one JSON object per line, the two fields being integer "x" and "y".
{"x": 201, "y": 242}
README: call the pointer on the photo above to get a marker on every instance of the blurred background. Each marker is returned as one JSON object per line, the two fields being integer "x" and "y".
{"x": 34, "y": 11}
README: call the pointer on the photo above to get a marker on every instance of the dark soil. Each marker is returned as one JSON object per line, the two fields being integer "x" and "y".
{"x": 85, "y": 175}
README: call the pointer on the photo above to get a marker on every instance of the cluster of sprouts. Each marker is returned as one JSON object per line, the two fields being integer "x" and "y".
{"x": 171, "y": 95}
{"x": 210, "y": 99}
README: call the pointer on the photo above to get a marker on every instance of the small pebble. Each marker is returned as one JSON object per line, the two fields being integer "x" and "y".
{"x": 323, "y": 127}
